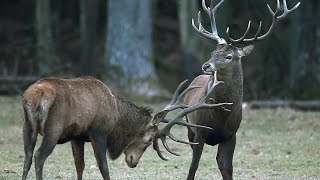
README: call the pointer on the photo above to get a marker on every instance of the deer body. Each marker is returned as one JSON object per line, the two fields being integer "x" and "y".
{"x": 225, "y": 65}
{"x": 83, "y": 110}
{"x": 224, "y": 123}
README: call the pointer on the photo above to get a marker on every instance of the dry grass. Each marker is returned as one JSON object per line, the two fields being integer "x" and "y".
{"x": 272, "y": 144}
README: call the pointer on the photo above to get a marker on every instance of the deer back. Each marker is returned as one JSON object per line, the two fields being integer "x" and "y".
{"x": 76, "y": 104}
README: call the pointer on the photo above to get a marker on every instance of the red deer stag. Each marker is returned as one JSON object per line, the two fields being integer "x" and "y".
{"x": 85, "y": 110}
{"x": 225, "y": 63}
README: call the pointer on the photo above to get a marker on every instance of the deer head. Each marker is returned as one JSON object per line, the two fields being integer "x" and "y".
{"x": 139, "y": 144}
{"x": 227, "y": 54}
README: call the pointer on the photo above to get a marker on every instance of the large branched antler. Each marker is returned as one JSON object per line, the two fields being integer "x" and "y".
{"x": 275, "y": 19}
{"x": 211, "y": 12}
{"x": 177, "y": 103}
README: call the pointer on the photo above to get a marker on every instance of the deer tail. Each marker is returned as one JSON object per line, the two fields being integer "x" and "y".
{"x": 37, "y": 101}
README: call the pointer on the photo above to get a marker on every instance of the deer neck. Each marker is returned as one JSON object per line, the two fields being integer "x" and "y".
{"x": 232, "y": 88}
{"x": 230, "y": 73}
{"x": 129, "y": 116}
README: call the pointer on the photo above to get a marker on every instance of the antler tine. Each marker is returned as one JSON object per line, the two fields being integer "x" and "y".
{"x": 202, "y": 104}
{"x": 212, "y": 85}
{"x": 210, "y": 11}
{"x": 201, "y": 30}
{"x": 176, "y": 92}
{"x": 243, "y": 36}
{"x": 258, "y": 31}
{"x": 286, "y": 10}
{"x": 275, "y": 19}
{"x": 212, "y": 17}
{"x": 178, "y": 119}
{"x": 157, "y": 149}
{"x": 164, "y": 142}
{"x": 184, "y": 123}
{"x": 278, "y": 9}
{"x": 204, "y": 6}
{"x": 171, "y": 136}
{"x": 175, "y": 103}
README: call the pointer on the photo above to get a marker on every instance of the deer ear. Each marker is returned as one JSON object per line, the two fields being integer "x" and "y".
{"x": 245, "y": 51}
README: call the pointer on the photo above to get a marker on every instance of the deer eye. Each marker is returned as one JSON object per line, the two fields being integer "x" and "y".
{"x": 229, "y": 57}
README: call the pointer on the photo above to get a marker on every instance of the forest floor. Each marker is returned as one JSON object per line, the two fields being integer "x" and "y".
{"x": 271, "y": 144}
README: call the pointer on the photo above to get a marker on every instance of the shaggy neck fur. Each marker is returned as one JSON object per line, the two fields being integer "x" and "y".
{"x": 132, "y": 120}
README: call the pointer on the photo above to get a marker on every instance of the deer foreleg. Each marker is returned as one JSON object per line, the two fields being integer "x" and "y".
{"x": 99, "y": 144}
{"x": 78, "y": 155}
{"x": 225, "y": 156}
{"x": 196, "y": 155}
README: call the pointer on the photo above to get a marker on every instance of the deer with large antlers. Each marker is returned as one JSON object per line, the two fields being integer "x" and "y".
{"x": 85, "y": 110}
{"x": 225, "y": 65}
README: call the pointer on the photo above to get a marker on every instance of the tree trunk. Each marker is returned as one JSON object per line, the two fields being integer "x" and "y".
{"x": 128, "y": 45}
{"x": 46, "y": 55}
{"x": 88, "y": 25}
{"x": 188, "y": 39}
{"x": 305, "y": 62}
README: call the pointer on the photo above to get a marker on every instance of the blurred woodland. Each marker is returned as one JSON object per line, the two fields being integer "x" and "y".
{"x": 141, "y": 45}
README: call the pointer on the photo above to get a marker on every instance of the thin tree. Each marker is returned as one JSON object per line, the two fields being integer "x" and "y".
{"x": 88, "y": 26}
{"x": 45, "y": 49}
{"x": 304, "y": 76}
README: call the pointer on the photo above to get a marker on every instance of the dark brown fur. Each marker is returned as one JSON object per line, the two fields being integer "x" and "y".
{"x": 224, "y": 123}
{"x": 83, "y": 110}
{"x": 225, "y": 62}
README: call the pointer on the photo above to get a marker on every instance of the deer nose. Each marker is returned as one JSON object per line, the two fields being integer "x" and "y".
{"x": 205, "y": 67}
{"x": 132, "y": 165}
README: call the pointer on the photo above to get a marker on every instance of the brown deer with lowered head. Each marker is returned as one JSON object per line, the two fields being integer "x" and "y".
{"x": 85, "y": 110}
{"x": 225, "y": 64}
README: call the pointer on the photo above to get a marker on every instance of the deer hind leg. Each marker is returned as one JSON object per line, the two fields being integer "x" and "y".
{"x": 78, "y": 155}
{"x": 29, "y": 139}
{"x": 99, "y": 145}
{"x": 49, "y": 141}
{"x": 196, "y": 156}
{"x": 225, "y": 156}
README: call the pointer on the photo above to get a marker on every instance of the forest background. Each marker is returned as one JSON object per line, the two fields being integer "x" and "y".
{"x": 147, "y": 46}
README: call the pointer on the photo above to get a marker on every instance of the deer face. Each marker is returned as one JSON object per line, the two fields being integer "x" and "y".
{"x": 139, "y": 144}
{"x": 225, "y": 56}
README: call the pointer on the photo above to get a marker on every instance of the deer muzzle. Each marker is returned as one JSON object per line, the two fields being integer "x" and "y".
{"x": 208, "y": 68}
{"x": 131, "y": 161}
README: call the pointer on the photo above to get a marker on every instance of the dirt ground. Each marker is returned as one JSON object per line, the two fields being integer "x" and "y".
{"x": 271, "y": 144}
